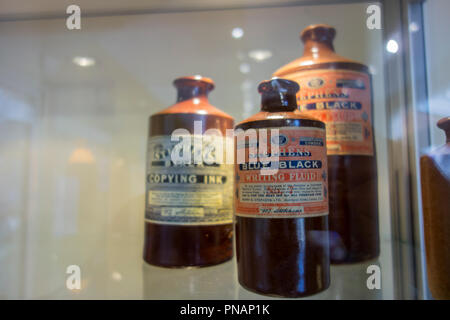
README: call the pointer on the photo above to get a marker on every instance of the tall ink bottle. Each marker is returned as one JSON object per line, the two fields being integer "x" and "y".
{"x": 337, "y": 91}
{"x": 281, "y": 198}
{"x": 189, "y": 188}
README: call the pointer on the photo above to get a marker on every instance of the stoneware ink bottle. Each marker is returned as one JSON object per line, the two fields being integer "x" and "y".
{"x": 338, "y": 91}
{"x": 189, "y": 192}
{"x": 281, "y": 197}
{"x": 435, "y": 179}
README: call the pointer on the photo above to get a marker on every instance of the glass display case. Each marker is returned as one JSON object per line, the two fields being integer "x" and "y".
{"x": 79, "y": 81}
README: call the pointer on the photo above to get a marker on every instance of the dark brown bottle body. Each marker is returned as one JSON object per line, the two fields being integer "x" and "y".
{"x": 435, "y": 179}
{"x": 329, "y": 81}
{"x": 182, "y": 244}
{"x": 281, "y": 256}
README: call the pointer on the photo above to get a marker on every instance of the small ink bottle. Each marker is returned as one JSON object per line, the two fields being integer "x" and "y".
{"x": 281, "y": 197}
{"x": 189, "y": 206}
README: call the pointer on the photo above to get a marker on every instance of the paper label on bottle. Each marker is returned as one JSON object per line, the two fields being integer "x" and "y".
{"x": 341, "y": 99}
{"x": 297, "y": 189}
{"x": 190, "y": 193}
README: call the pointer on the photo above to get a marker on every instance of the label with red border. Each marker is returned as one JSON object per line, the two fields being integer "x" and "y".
{"x": 341, "y": 99}
{"x": 297, "y": 188}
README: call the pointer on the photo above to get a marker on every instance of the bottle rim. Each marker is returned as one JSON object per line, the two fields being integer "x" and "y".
{"x": 196, "y": 80}
{"x": 318, "y": 32}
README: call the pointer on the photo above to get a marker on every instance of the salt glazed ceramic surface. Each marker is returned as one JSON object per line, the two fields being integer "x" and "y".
{"x": 188, "y": 206}
{"x": 282, "y": 216}
{"x": 435, "y": 178}
{"x": 337, "y": 91}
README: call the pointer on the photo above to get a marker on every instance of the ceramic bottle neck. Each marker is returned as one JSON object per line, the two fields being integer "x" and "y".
{"x": 193, "y": 87}
{"x": 188, "y": 93}
{"x": 444, "y": 124}
{"x": 278, "y": 95}
{"x": 316, "y": 48}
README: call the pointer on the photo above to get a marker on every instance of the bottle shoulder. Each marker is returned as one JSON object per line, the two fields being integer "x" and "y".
{"x": 439, "y": 158}
{"x": 328, "y": 61}
{"x": 192, "y": 106}
{"x": 277, "y": 117}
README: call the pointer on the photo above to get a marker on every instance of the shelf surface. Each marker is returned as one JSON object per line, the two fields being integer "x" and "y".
{"x": 115, "y": 270}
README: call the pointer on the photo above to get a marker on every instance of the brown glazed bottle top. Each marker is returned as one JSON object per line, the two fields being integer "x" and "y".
{"x": 278, "y": 101}
{"x": 318, "y": 50}
{"x": 444, "y": 124}
{"x": 192, "y": 97}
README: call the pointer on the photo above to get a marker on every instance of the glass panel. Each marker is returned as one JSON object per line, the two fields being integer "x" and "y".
{"x": 74, "y": 128}
{"x": 438, "y": 70}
